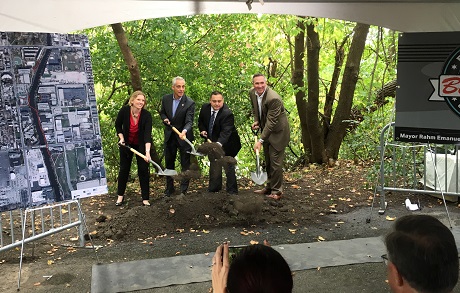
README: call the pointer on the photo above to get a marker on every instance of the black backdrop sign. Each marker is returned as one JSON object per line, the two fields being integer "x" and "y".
{"x": 428, "y": 94}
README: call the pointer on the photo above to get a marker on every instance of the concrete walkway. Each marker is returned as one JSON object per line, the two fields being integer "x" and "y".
{"x": 190, "y": 269}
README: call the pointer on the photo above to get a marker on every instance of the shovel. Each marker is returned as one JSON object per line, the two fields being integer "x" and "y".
{"x": 259, "y": 177}
{"x": 165, "y": 172}
{"x": 193, "y": 151}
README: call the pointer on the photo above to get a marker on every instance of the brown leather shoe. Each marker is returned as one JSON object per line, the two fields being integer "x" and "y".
{"x": 263, "y": 191}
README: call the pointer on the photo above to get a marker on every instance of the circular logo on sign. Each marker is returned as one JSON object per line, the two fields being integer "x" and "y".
{"x": 449, "y": 83}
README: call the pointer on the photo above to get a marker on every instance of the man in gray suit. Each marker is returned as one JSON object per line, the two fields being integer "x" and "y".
{"x": 177, "y": 110}
{"x": 270, "y": 118}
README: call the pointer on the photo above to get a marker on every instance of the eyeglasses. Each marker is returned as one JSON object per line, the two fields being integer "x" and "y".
{"x": 385, "y": 259}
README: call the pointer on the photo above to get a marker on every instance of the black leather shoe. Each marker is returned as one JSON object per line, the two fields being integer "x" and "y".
{"x": 119, "y": 203}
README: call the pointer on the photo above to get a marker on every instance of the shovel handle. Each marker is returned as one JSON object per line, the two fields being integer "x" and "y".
{"x": 160, "y": 171}
{"x": 173, "y": 128}
{"x": 255, "y": 141}
{"x": 176, "y": 130}
{"x": 137, "y": 153}
{"x": 208, "y": 140}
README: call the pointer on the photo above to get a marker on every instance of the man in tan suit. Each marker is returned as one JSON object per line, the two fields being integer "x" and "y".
{"x": 270, "y": 118}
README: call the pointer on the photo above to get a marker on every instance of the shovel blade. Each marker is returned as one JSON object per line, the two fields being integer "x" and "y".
{"x": 195, "y": 153}
{"x": 260, "y": 178}
{"x": 167, "y": 172}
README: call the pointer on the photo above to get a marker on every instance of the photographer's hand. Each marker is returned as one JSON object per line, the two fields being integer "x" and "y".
{"x": 220, "y": 267}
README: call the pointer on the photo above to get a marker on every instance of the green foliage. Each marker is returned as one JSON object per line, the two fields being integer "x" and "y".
{"x": 362, "y": 143}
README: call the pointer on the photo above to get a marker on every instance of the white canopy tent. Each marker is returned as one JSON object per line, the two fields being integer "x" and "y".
{"x": 65, "y": 16}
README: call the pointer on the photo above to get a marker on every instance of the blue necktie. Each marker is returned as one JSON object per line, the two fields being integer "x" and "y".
{"x": 211, "y": 124}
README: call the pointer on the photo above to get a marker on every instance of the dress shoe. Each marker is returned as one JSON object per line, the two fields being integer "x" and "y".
{"x": 275, "y": 196}
{"x": 263, "y": 191}
{"x": 119, "y": 203}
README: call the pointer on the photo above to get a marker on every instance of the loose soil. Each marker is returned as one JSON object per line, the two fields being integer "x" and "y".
{"x": 308, "y": 195}
{"x": 319, "y": 204}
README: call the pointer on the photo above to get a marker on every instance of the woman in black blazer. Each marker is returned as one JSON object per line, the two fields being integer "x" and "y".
{"x": 134, "y": 128}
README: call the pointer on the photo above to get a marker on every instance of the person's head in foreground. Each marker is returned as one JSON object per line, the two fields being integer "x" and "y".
{"x": 256, "y": 268}
{"x": 422, "y": 256}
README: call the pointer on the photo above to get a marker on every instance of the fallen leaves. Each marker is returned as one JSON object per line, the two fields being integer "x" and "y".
{"x": 71, "y": 249}
{"x": 388, "y": 218}
{"x": 247, "y": 233}
{"x": 344, "y": 199}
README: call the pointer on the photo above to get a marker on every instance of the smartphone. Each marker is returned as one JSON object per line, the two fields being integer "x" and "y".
{"x": 233, "y": 251}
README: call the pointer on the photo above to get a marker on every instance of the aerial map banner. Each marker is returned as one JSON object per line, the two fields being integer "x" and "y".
{"x": 50, "y": 141}
{"x": 428, "y": 94}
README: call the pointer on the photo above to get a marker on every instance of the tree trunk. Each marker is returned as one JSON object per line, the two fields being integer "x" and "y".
{"x": 330, "y": 96}
{"x": 128, "y": 56}
{"x": 298, "y": 82}
{"x": 134, "y": 72}
{"x": 313, "y": 123}
{"x": 350, "y": 78}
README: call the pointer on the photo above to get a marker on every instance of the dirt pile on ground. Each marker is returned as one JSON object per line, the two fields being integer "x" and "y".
{"x": 308, "y": 194}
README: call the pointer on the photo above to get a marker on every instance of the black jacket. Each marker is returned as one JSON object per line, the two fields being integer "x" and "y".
{"x": 145, "y": 126}
{"x": 224, "y": 130}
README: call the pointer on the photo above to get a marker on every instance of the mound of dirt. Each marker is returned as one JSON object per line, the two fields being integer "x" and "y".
{"x": 307, "y": 195}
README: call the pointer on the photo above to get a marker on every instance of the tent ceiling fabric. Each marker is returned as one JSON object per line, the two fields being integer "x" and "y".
{"x": 65, "y": 16}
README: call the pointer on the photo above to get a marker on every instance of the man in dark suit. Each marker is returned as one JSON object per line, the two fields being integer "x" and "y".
{"x": 217, "y": 123}
{"x": 270, "y": 118}
{"x": 177, "y": 110}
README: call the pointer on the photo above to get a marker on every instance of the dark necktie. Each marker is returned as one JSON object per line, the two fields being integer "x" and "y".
{"x": 211, "y": 124}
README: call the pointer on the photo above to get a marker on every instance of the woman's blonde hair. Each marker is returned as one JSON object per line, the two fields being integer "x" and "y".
{"x": 134, "y": 96}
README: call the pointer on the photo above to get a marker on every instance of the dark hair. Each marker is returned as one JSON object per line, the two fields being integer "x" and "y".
{"x": 257, "y": 75}
{"x": 215, "y": 93}
{"x": 259, "y": 268}
{"x": 424, "y": 251}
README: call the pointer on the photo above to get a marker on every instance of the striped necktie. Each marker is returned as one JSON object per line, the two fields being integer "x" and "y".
{"x": 211, "y": 124}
